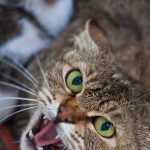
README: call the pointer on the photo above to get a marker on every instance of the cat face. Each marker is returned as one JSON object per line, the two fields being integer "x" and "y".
{"x": 85, "y": 103}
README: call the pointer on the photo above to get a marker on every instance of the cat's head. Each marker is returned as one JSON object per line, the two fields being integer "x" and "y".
{"x": 86, "y": 102}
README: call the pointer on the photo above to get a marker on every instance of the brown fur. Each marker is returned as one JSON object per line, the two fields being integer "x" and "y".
{"x": 114, "y": 61}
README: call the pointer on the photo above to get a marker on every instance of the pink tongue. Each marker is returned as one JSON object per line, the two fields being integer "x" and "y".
{"x": 47, "y": 135}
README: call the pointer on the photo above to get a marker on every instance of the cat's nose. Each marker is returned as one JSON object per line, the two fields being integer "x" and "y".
{"x": 65, "y": 114}
{"x": 70, "y": 113}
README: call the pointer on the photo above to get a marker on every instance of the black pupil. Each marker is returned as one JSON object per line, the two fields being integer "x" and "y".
{"x": 105, "y": 126}
{"x": 77, "y": 80}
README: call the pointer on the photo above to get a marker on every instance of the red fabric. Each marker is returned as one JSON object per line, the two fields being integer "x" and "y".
{"x": 6, "y": 138}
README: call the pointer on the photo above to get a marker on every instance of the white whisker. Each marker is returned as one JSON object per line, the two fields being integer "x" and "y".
{"x": 17, "y": 81}
{"x": 42, "y": 71}
{"x": 16, "y": 106}
{"x": 134, "y": 100}
{"x": 17, "y": 87}
{"x": 17, "y": 112}
{"x": 18, "y": 98}
{"x": 16, "y": 142}
{"x": 26, "y": 70}
{"x": 23, "y": 72}
{"x": 134, "y": 105}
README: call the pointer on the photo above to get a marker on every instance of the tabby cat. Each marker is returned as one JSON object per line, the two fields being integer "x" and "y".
{"x": 92, "y": 90}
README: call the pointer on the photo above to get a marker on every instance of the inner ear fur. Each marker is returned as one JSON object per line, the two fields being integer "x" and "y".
{"x": 96, "y": 33}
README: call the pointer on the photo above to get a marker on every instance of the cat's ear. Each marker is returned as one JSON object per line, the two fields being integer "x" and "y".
{"x": 92, "y": 38}
{"x": 96, "y": 33}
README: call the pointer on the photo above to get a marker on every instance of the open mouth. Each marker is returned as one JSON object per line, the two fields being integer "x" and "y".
{"x": 43, "y": 135}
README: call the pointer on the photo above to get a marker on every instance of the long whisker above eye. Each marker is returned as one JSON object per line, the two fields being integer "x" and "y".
{"x": 20, "y": 68}
{"x": 136, "y": 99}
{"x": 17, "y": 112}
{"x": 16, "y": 142}
{"x": 17, "y": 87}
{"x": 134, "y": 105}
{"x": 42, "y": 71}
{"x": 16, "y": 106}
{"x": 26, "y": 71}
{"x": 18, "y": 98}
{"x": 17, "y": 81}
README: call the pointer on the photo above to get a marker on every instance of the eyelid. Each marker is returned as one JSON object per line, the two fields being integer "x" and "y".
{"x": 94, "y": 114}
{"x": 97, "y": 113}
{"x": 94, "y": 118}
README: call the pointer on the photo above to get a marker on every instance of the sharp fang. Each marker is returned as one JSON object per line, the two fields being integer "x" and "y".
{"x": 45, "y": 122}
{"x": 31, "y": 135}
{"x": 40, "y": 148}
{"x": 44, "y": 118}
{"x": 57, "y": 137}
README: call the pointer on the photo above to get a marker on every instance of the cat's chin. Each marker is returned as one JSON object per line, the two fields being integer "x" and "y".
{"x": 43, "y": 136}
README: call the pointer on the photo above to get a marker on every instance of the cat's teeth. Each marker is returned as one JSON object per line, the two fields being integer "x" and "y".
{"x": 40, "y": 148}
{"x": 31, "y": 134}
{"x": 45, "y": 122}
{"x": 44, "y": 118}
{"x": 57, "y": 137}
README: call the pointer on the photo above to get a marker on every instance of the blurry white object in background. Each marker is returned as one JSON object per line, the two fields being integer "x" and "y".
{"x": 53, "y": 17}
{"x": 25, "y": 45}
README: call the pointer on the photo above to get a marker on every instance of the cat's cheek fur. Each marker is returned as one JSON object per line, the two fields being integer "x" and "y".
{"x": 54, "y": 16}
{"x": 26, "y": 145}
{"x": 68, "y": 134}
{"x": 28, "y": 43}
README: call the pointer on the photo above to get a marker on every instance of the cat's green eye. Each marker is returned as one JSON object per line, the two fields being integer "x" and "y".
{"x": 74, "y": 81}
{"x": 104, "y": 127}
